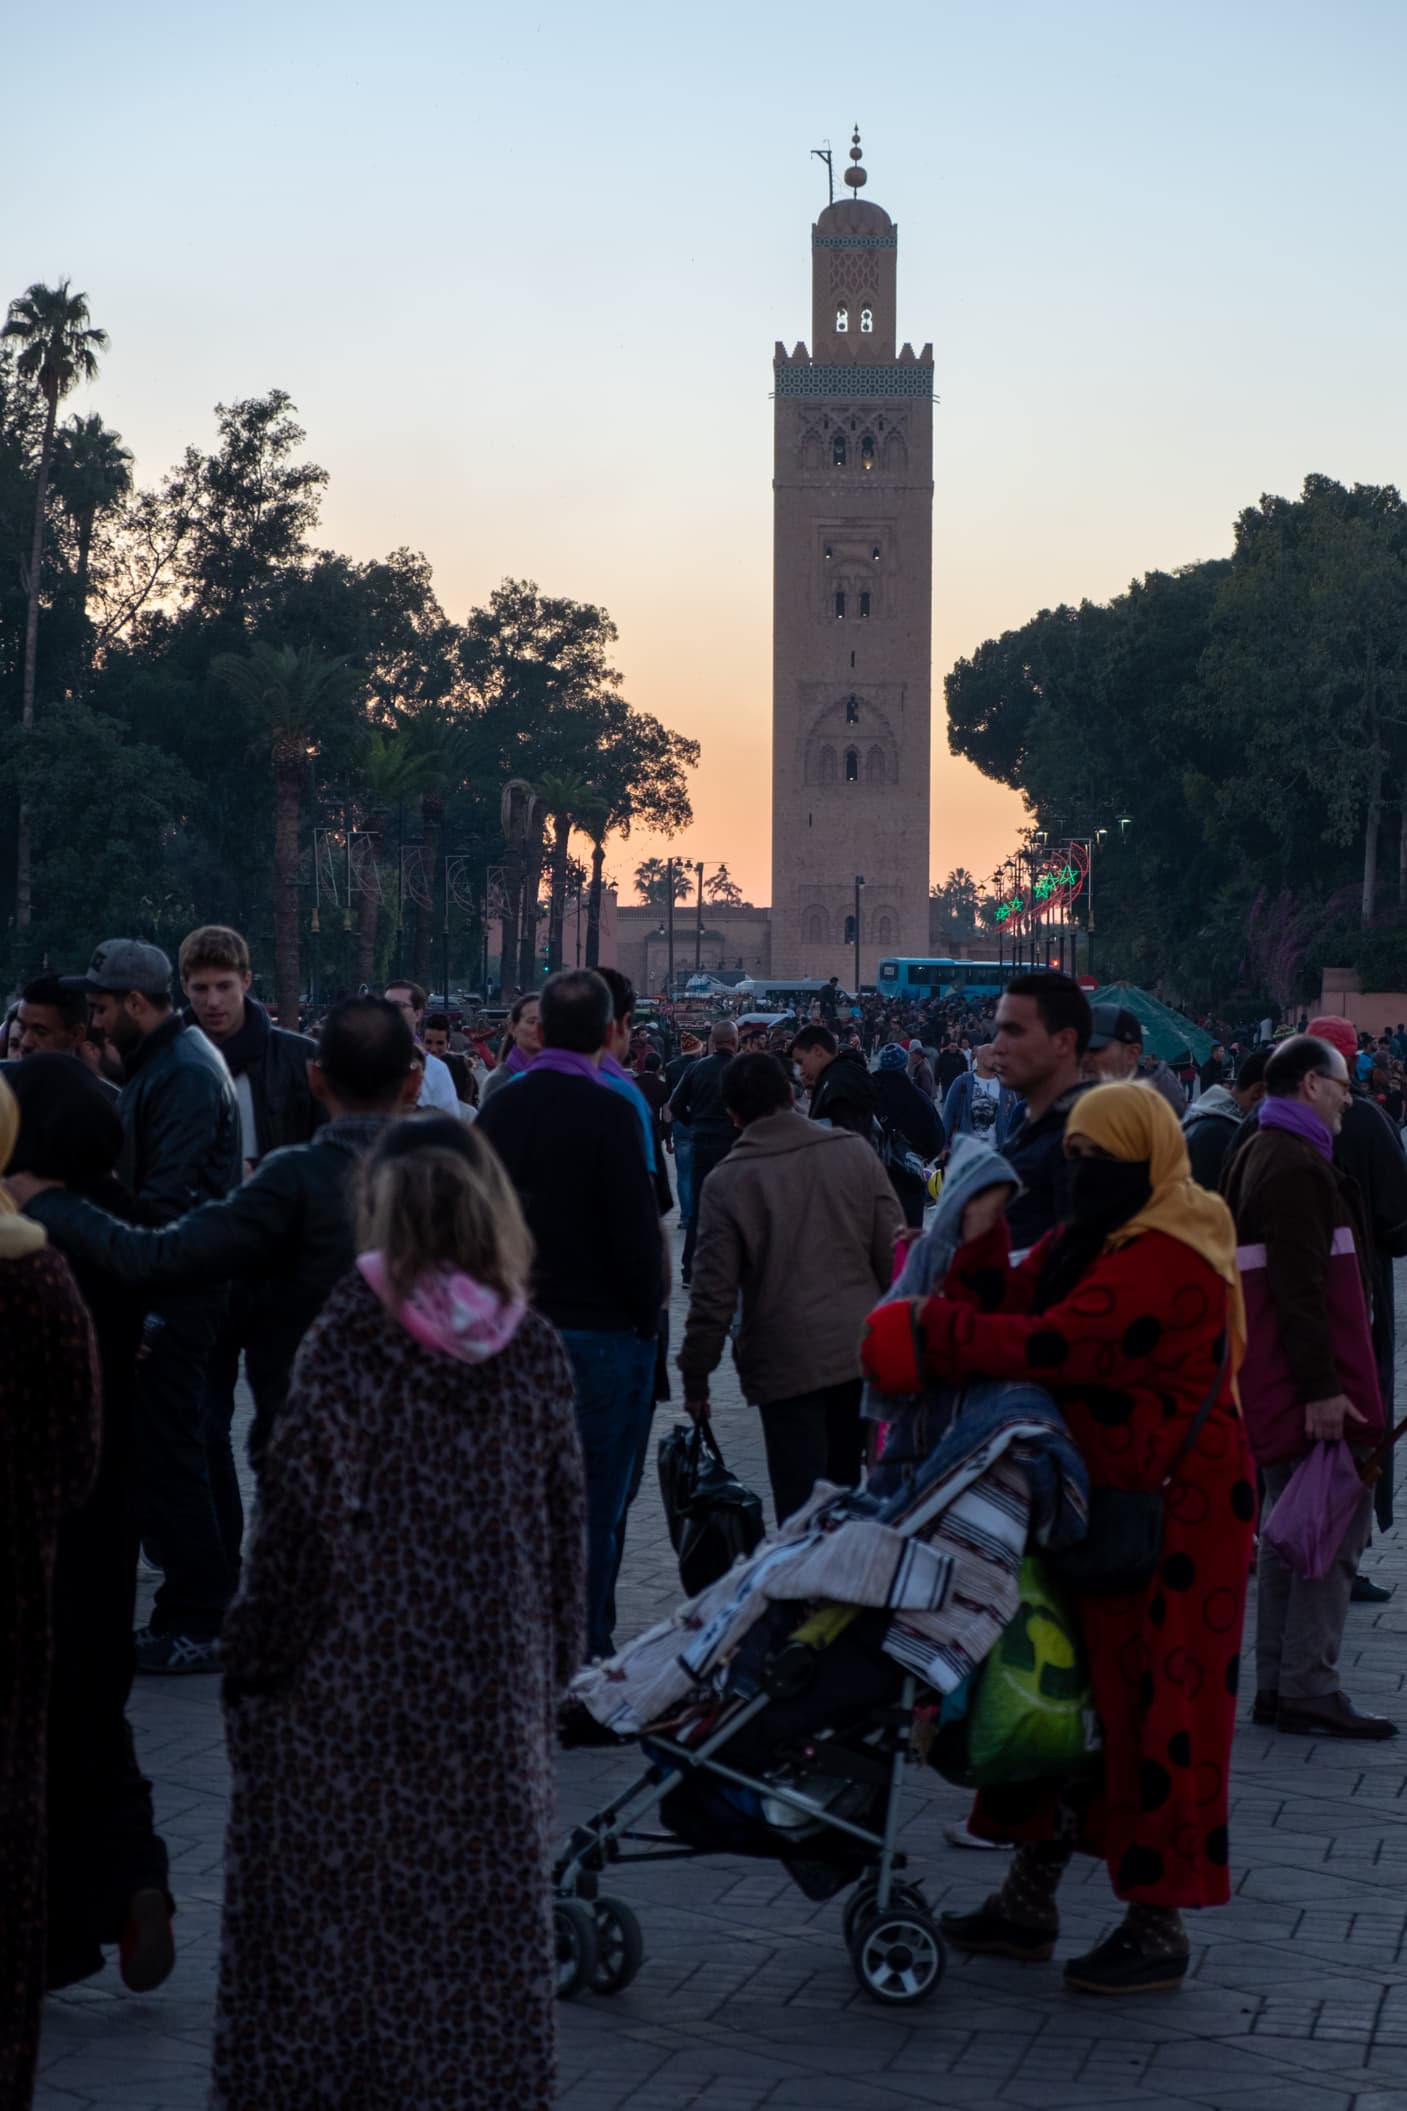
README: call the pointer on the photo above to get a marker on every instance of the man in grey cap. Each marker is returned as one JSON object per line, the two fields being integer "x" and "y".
{"x": 181, "y": 1147}
{"x": 1116, "y": 1054}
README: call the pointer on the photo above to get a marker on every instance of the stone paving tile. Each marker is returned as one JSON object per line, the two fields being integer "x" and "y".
{"x": 1297, "y": 1999}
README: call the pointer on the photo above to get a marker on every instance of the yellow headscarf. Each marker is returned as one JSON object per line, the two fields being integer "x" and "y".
{"x": 1132, "y": 1122}
{"x": 18, "y": 1235}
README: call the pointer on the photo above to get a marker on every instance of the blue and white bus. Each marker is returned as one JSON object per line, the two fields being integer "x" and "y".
{"x": 972, "y": 981}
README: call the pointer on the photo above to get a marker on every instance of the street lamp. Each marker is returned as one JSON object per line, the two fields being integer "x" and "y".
{"x": 859, "y": 883}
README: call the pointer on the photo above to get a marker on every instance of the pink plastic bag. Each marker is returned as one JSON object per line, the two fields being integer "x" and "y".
{"x": 1307, "y": 1525}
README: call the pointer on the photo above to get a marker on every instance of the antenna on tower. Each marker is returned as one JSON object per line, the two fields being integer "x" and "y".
{"x": 824, "y": 154}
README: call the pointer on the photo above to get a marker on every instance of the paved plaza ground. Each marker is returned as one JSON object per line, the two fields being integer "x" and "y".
{"x": 1297, "y": 1999}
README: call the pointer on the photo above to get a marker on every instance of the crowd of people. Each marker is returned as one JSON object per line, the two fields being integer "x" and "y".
{"x": 448, "y": 1285}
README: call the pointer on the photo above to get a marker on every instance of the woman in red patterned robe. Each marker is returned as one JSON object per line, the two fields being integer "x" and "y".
{"x": 1127, "y": 1314}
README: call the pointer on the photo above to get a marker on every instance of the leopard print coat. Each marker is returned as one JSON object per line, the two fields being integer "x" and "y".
{"x": 413, "y": 1605}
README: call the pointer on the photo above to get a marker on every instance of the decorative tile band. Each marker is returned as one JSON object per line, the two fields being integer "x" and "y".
{"x": 854, "y": 381}
{"x": 854, "y": 241}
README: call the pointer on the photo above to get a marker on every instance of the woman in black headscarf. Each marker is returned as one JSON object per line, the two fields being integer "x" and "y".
{"x": 107, "y": 1865}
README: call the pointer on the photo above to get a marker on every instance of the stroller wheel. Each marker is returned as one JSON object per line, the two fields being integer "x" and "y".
{"x": 574, "y": 1926}
{"x": 861, "y": 1902}
{"x": 620, "y": 1949}
{"x": 898, "y": 1955}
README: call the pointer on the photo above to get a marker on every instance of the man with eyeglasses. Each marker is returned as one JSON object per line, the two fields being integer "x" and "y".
{"x": 1309, "y": 1376}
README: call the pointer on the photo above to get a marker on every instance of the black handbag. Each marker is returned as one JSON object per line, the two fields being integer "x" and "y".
{"x": 1123, "y": 1546}
{"x": 712, "y": 1517}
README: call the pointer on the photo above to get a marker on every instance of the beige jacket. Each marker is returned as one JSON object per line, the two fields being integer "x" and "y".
{"x": 802, "y": 1221}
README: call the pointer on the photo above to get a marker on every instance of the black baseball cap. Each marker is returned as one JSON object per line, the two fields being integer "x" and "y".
{"x": 1112, "y": 1023}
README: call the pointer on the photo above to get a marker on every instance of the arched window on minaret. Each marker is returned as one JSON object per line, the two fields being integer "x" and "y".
{"x": 814, "y": 932}
{"x": 883, "y": 931}
{"x": 828, "y": 765}
{"x": 875, "y": 770}
{"x": 896, "y": 455}
{"x": 852, "y": 765}
{"x": 867, "y": 451}
{"x": 838, "y": 450}
{"x": 842, "y": 320}
{"x": 866, "y": 321}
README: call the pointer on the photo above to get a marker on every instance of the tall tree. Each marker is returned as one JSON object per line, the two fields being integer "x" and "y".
{"x": 563, "y": 796}
{"x": 446, "y": 753}
{"x": 92, "y": 477}
{"x": 389, "y": 772}
{"x": 303, "y": 703}
{"x": 652, "y": 881}
{"x": 58, "y": 348}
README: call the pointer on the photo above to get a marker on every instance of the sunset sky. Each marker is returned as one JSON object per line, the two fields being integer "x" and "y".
{"x": 522, "y": 270}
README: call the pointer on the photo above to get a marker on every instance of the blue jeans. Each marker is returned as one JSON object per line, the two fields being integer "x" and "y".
{"x": 615, "y": 1383}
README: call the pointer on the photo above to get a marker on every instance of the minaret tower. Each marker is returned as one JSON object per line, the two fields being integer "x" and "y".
{"x": 851, "y": 610}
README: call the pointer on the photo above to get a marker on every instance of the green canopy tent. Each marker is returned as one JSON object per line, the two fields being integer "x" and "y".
{"x": 1165, "y": 1032}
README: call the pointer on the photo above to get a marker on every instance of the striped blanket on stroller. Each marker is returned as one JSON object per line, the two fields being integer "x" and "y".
{"x": 942, "y": 1556}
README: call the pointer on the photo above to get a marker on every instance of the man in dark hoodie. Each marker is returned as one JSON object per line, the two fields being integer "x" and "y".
{"x": 838, "y": 1080}
{"x": 269, "y": 1066}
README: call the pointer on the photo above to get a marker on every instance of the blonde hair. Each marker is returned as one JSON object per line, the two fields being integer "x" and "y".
{"x": 444, "y": 1204}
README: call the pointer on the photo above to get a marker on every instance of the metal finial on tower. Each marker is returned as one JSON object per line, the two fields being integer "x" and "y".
{"x": 856, "y": 177}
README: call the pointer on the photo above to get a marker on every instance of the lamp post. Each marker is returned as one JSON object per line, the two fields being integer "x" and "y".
{"x": 859, "y": 883}
{"x": 698, "y": 927}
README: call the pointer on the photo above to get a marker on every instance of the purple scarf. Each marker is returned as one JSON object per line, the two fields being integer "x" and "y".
{"x": 516, "y": 1061}
{"x": 1300, "y": 1119}
{"x": 567, "y": 1063}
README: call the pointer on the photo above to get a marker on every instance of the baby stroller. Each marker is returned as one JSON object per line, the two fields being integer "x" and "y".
{"x": 801, "y": 1759}
{"x": 776, "y": 1711}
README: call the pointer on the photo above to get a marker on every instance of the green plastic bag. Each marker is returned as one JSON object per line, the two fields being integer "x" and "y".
{"x": 1030, "y": 1714}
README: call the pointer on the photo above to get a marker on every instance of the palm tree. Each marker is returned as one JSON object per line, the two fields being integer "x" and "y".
{"x": 92, "y": 474}
{"x": 562, "y": 795}
{"x": 299, "y": 700}
{"x": 446, "y": 755}
{"x": 389, "y": 771}
{"x": 57, "y": 350}
{"x": 596, "y": 818}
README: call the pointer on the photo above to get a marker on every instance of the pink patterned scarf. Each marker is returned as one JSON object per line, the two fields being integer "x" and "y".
{"x": 448, "y": 1311}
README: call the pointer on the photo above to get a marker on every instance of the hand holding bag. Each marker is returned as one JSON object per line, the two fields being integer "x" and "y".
{"x": 712, "y": 1517}
{"x": 1307, "y": 1524}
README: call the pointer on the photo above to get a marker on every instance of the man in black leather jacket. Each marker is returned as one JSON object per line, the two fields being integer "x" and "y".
{"x": 288, "y": 1231}
{"x": 840, "y": 1082}
{"x": 180, "y": 1147}
{"x": 276, "y": 1107}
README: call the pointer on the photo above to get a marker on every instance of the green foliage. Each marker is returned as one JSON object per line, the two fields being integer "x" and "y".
{"x": 110, "y": 814}
{"x": 1249, "y": 716}
{"x": 255, "y": 686}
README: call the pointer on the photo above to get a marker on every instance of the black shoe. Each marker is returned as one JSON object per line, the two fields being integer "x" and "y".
{"x": 1265, "y": 1709}
{"x": 685, "y": 1277}
{"x": 1120, "y": 1965}
{"x": 1333, "y": 1716}
{"x": 1364, "y": 1591}
{"x": 988, "y": 1934}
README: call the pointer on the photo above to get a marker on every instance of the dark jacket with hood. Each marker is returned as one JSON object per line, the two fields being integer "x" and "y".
{"x": 845, "y": 1095}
